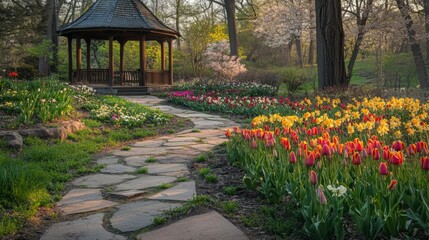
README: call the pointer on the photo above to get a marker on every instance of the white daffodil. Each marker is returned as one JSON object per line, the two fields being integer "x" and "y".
{"x": 337, "y": 191}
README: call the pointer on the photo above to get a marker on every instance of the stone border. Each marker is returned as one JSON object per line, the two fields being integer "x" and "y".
{"x": 15, "y": 141}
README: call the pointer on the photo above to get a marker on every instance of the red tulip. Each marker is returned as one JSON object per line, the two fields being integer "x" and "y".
{"x": 266, "y": 128}
{"x": 326, "y": 150}
{"x": 310, "y": 160}
{"x": 375, "y": 154}
{"x": 254, "y": 144}
{"x": 357, "y": 160}
{"x": 411, "y": 149}
{"x": 424, "y": 163}
{"x": 321, "y": 195}
{"x": 396, "y": 158}
{"x": 285, "y": 143}
{"x": 236, "y": 129}
{"x": 383, "y": 169}
{"x": 228, "y": 133}
{"x": 392, "y": 185}
{"x": 398, "y": 145}
{"x": 277, "y": 131}
{"x": 292, "y": 157}
{"x": 313, "y": 178}
{"x": 386, "y": 154}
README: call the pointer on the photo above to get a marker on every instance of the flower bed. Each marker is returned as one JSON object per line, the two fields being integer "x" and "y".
{"x": 362, "y": 165}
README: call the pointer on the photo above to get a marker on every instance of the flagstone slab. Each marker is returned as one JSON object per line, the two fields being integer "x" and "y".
{"x": 108, "y": 160}
{"x": 118, "y": 168}
{"x": 207, "y": 226}
{"x": 175, "y": 144}
{"x": 164, "y": 168}
{"x": 136, "y": 161}
{"x": 127, "y": 194}
{"x": 83, "y": 200}
{"x": 175, "y": 174}
{"x": 138, "y": 215}
{"x": 184, "y": 139}
{"x": 144, "y": 182}
{"x": 99, "y": 180}
{"x": 149, "y": 143}
{"x": 202, "y": 147}
{"x": 174, "y": 158}
{"x": 87, "y": 228}
{"x": 183, "y": 191}
{"x": 188, "y": 152}
{"x": 140, "y": 151}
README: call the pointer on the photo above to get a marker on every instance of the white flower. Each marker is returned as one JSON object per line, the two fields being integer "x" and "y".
{"x": 337, "y": 191}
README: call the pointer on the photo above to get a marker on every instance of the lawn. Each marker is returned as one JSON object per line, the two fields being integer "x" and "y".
{"x": 35, "y": 178}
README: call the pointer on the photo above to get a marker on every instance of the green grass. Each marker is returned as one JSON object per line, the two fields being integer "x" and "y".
{"x": 151, "y": 160}
{"x": 230, "y": 207}
{"x": 126, "y": 148}
{"x": 204, "y": 171}
{"x": 182, "y": 179}
{"x": 201, "y": 158}
{"x": 211, "y": 178}
{"x": 159, "y": 220}
{"x": 229, "y": 190}
{"x": 91, "y": 123}
{"x": 142, "y": 170}
{"x": 165, "y": 186}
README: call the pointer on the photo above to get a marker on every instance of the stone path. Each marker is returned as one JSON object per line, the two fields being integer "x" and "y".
{"x": 119, "y": 201}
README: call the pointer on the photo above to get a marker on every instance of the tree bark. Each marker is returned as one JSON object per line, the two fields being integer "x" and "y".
{"x": 298, "y": 51}
{"x": 426, "y": 11}
{"x": 232, "y": 28}
{"x": 415, "y": 46}
{"x": 178, "y": 5}
{"x": 361, "y": 22}
{"x": 311, "y": 46}
{"x": 330, "y": 44}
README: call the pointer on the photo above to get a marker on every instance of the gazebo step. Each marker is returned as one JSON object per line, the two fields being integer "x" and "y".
{"x": 127, "y": 91}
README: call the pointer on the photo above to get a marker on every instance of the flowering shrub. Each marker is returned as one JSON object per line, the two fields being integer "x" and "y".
{"x": 217, "y": 58}
{"x": 366, "y": 160}
{"x": 121, "y": 112}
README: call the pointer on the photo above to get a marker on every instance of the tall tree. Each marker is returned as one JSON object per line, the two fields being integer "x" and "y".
{"x": 415, "y": 46}
{"x": 330, "y": 44}
{"x": 363, "y": 8}
{"x": 426, "y": 11}
{"x": 232, "y": 26}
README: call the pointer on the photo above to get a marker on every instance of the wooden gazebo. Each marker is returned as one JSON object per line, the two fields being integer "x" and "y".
{"x": 121, "y": 21}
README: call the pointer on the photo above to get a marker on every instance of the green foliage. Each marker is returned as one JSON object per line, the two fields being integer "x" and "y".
{"x": 159, "y": 220}
{"x": 204, "y": 171}
{"x": 182, "y": 179}
{"x": 142, "y": 170}
{"x": 211, "y": 178}
{"x": 201, "y": 158}
{"x": 230, "y": 207}
{"x": 151, "y": 160}
{"x": 229, "y": 190}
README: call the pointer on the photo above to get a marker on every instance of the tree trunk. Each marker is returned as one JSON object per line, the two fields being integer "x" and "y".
{"x": 298, "y": 51}
{"x": 426, "y": 10}
{"x": 330, "y": 44}
{"x": 232, "y": 28}
{"x": 178, "y": 22}
{"x": 361, "y": 22}
{"x": 415, "y": 47}
{"x": 311, "y": 46}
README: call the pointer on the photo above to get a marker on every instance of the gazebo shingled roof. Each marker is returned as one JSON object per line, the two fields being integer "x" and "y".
{"x": 131, "y": 15}
{"x": 121, "y": 21}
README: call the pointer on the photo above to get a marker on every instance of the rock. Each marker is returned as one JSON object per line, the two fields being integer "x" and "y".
{"x": 137, "y": 215}
{"x": 208, "y": 226}
{"x": 13, "y": 139}
{"x": 86, "y": 228}
{"x": 83, "y": 200}
{"x": 127, "y": 194}
{"x": 183, "y": 191}
{"x": 99, "y": 180}
{"x": 118, "y": 168}
{"x": 144, "y": 182}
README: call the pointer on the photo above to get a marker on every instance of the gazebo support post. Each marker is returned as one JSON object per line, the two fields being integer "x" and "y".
{"x": 70, "y": 55}
{"x": 162, "y": 55}
{"x": 142, "y": 81}
{"x": 88, "y": 59}
{"x": 111, "y": 65}
{"x": 78, "y": 60}
{"x": 121, "y": 64}
{"x": 170, "y": 61}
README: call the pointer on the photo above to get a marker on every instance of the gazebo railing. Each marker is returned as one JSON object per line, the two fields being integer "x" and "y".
{"x": 129, "y": 78}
